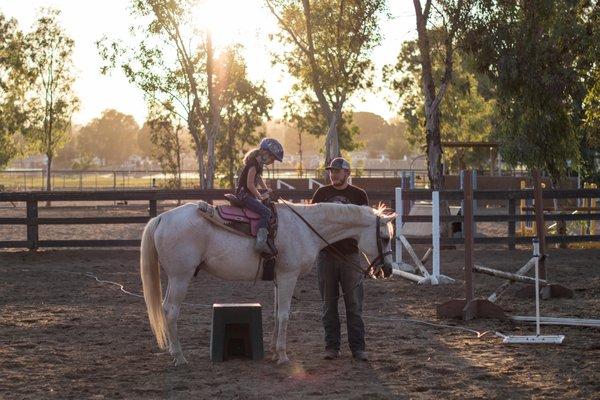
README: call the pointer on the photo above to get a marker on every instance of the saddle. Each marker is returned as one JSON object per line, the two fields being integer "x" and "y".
{"x": 238, "y": 219}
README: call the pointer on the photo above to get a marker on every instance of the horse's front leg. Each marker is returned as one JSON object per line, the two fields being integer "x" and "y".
{"x": 275, "y": 325}
{"x": 285, "y": 290}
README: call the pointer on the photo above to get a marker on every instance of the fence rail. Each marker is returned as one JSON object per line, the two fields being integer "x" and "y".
{"x": 35, "y": 179}
{"x": 32, "y": 221}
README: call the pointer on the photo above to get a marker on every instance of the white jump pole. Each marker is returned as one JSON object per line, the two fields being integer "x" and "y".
{"x": 538, "y": 338}
{"x": 281, "y": 183}
{"x": 399, "y": 213}
{"x": 312, "y": 182}
{"x": 436, "y": 276}
{"x": 435, "y": 232}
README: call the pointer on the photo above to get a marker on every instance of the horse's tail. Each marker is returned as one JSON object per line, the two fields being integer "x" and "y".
{"x": 150, "y": 271}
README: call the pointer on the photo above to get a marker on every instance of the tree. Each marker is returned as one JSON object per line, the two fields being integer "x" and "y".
{"x": 453, "y": 16}
{"x": 165, "y": 134}
{"x": 69, "y": 154}
{"x": 532, "y": 52}
{"x": 13, "y": 84}
{"x": 589, "y": 69}
{"x": 380, "y": 137}
{"x": 246, "y": 107}
{"x": 328, "y": 43}
{"x": 144, "y": 142}
{"x": 173, "y": 64}
{"x": 51, "y": 100}
{"x": 308, "y": 118}
{"x": 465, "y": 115}
{"x": 112, "y": 138}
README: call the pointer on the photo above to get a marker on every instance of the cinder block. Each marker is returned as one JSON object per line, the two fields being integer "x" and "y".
{"x": 236, "y": 332}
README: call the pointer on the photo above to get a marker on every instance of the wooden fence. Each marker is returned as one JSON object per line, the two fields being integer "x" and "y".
{"x": 511, "y": 198}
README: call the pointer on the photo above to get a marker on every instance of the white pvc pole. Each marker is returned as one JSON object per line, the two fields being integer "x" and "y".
{"x": 536, "y": 254}
{"x": 399, "y": 211}
{"x": 435, "y": 233}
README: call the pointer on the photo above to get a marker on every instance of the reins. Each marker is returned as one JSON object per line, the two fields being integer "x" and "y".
{"x": 339, "y": 255}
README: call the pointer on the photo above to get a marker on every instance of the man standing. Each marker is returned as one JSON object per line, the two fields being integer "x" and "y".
{"x": 333, "y": 273}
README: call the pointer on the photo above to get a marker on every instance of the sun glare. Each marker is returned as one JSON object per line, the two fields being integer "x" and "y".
{"x": 228, "y": 21}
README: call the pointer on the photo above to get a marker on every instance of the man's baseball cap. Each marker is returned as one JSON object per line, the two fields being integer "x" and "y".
{"x": 339, "y": 163}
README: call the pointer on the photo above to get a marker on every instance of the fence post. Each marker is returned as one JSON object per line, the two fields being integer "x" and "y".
{"x": 468, "y": 232}
{"x": 512, "y": 211}
{"x": 32, "y": 225}
{"x": 152, "y": 208}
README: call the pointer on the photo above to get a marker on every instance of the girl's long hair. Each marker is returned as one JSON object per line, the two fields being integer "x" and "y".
{"x": 251, "y": 154}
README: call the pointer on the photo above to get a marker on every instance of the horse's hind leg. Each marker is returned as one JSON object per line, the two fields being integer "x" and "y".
{"x": 176, "y": 291}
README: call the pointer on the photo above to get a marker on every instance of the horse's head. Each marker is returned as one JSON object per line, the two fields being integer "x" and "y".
{"x": 376, "y": 242}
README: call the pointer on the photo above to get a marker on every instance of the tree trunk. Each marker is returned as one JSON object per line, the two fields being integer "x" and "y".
{"x": 210, "y": 167}
{"x": 49, "y": 177}
{"x": 178, "y": 157}
{"x": 212, "y": 132}
{"x": 434, "y": 147}
{"x": 199, "y": 152}
{"x": 231, "y": 160}
{"x": 332, "y": 143}
{"x": 49, "y": 174}
{"x": 432, "y": 113}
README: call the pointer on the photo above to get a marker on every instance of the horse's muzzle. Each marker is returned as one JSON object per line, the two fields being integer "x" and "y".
{"x": 387, "y": 269}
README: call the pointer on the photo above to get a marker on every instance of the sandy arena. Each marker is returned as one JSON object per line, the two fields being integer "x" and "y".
{"x": 66, "y": 335}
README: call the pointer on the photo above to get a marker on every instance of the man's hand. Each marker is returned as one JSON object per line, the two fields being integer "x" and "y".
{"x": 264, "y": 196}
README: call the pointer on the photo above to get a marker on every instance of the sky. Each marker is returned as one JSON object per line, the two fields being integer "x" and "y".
{"x": 247, "y": 22}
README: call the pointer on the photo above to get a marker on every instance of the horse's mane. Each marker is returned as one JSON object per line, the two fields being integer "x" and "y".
{"x": 351, "y": 210}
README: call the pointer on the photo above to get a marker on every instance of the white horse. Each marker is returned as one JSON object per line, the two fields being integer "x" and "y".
{"x": 182, "y": 240}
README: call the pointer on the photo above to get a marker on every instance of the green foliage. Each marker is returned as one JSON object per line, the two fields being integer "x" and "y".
{"x": 246, "y": 107}
{"x": 466, "y": 112}
{"x": 313, "y": 122}
{"x": 51, "y": 101}
{"x": 380, "y": 137}
{"x": 184, "y": 77}
{"x": 589, "y": 69}
{"x": 111, "y": 138}
{"x": 328, "y": 45}
{"x": 13, "y": 84}
{"x": 531, "y": 50}
{"x": 166, "y": 136}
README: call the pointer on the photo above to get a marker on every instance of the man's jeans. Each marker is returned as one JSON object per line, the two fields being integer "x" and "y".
{"x": 332, "y": 273}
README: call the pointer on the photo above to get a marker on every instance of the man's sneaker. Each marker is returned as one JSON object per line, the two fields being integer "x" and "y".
{"x": 360, "y": 355}
{"x": 331, "y": 354}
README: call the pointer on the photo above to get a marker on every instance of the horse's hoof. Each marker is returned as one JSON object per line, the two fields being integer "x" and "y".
{"x": 179, "y": 360}
{"x": 284, "y": 360}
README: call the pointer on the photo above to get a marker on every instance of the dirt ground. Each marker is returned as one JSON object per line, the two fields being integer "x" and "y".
{"x": 65, "y": 334}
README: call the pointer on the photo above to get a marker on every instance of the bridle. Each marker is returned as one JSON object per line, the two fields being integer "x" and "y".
{"x": 378, "y": 262}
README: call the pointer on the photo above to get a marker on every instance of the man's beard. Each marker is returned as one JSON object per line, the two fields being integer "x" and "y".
{"x": 340, "y": 182}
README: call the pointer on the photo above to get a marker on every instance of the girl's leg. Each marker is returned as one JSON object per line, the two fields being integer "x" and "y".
{"x": 255, "y": 205}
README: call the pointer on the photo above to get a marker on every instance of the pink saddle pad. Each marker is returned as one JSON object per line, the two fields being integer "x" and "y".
{"x": 236, "y": 214}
